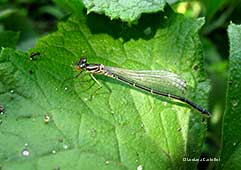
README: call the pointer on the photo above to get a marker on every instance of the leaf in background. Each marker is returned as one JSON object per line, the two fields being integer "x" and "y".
{"x": 8, "y": 39}
{"x": 213, "y": 6}
{"x": 121, "y": 129}
{"x": 72, "y": 5}
{"x": 16, "y": 20}
{"x": 128, "y": 11}
{"x": 230, "y": 155}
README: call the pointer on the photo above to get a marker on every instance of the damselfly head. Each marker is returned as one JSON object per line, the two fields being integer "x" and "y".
{"x": 81, "y": 64}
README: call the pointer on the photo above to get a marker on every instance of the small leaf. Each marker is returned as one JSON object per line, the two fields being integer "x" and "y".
{"x": 128, "y": 11}
{"x": 231, "y": 122}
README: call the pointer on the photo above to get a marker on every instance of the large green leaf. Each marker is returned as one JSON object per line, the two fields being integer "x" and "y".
{"x": 231, "y": 152}
{"x": 125, "y": 10}
{"x": 120, "y": 128}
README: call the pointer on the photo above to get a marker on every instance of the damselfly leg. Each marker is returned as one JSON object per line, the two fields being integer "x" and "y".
{"x": 100, "y": 86}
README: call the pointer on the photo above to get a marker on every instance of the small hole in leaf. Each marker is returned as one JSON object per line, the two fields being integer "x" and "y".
{"x": 195, "y": 67}
{"x": 30, "y": 71}
{"x": 2, "y": 109}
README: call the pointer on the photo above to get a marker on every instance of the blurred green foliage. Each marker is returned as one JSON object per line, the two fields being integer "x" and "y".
{"x": 218, "y": 15}
{"x": 30, "y": 18}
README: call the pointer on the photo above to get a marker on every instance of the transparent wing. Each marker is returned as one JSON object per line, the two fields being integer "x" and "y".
{"x": 156, "y": 79}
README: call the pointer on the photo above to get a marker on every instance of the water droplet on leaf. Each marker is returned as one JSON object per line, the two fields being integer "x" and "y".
{"x": 140, "y": 167}
{"x": 65, "y": 146}
{"x": 25, "y": 152}
{"x": 234, "y": 103}
{"x": 46, "y": 118}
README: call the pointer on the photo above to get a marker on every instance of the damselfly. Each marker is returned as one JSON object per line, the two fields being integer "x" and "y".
{"x": 162, "y": 83}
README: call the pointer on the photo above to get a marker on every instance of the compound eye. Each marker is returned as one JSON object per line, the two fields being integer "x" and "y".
{"x": 77, "y": 67}
{"x": 83, "y": 60}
